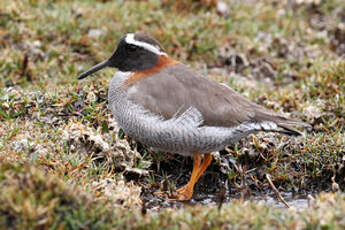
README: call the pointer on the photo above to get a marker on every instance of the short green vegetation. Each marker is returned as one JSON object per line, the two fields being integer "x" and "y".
{"x": 65, "y": 164}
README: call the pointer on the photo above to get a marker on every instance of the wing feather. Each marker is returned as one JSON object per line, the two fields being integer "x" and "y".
{"x": 177, "y": 88}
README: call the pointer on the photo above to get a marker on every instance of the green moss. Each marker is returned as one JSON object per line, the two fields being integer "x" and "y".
{"x": 31, "y": 199}
{"x": 294, "y": 65}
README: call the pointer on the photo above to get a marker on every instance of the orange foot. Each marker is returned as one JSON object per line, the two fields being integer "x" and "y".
{"x": 182, "y": 194}
{"x": 182, "y": 189}
{"x": 186, "y": 192}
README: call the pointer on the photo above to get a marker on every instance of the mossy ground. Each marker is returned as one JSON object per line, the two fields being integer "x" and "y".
{"x": 66, "y": 164}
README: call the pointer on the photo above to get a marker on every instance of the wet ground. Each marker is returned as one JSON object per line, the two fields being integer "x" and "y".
{"x": 297, "y": 202}
{"x": 214, "y": 188}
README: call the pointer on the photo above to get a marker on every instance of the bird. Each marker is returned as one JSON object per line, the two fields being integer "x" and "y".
{"x": 165, "y": 104}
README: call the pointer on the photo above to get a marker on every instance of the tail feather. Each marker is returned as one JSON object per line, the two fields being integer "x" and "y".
{"x": 284, "y": 125}
{"x": 288, "y": 130}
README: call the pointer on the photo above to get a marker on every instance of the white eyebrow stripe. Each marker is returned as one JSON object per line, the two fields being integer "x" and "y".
{"x": 130, "y": 40}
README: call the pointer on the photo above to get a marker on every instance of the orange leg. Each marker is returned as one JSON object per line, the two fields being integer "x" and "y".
{"x": 207, "y": 161}
{"x": 196, "y": 166}
{"x": 186, "y": 192}
{"x": 193, "y": 177}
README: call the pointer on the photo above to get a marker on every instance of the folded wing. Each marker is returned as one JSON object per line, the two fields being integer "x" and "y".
{"x": 177, "y": 88}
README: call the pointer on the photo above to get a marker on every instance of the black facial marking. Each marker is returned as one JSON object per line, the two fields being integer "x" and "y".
{"x": 129, "y": 57}
{"x": 132, "y": 48}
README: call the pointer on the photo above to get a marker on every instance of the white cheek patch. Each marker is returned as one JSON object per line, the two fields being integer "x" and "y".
{"x": 130, "y": 40}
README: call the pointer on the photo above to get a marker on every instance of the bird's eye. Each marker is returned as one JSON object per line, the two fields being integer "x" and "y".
{"x": 132, "y": 47}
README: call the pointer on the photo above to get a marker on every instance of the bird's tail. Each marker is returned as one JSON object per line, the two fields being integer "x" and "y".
{"x": 288, "y": 129}
{"x": 284, "y": 125}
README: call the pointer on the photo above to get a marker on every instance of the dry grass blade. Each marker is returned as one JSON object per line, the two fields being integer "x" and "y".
{"x": 279, "y": 196}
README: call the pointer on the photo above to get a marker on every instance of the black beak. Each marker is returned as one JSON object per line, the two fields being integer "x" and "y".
{"x": 94, "y": 69}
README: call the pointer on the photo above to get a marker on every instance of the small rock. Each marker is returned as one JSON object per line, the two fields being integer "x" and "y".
{"x": 95, "y": 33}
{"x": 222, "y": 8}
{"x": 37, "y": 44}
